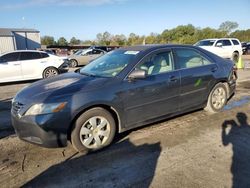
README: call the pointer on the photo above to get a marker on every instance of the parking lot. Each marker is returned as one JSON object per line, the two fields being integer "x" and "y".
{"x": 193, "y": 150}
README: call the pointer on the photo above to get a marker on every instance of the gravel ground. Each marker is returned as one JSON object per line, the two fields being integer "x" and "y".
{"x": 192, "y": 150}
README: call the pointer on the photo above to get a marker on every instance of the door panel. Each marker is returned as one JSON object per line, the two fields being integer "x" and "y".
{"x": 32, "y": 64}
{"x": 152, "y": 97}
{"x": 10, "y": 71}
{"x": 10, "y": 67}
{"x": 196, "y": 74}
{"x": 156, "y": 95}
{"x": 32, "y": 69}
{"x": 194, "y": 85}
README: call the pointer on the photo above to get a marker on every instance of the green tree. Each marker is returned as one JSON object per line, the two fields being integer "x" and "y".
{"x": 119, "y": 40}
{"x": 104, "y": 38}
{"x": 47, "y": 40}
{"x": 74, "y": 41}
{"x": 152, "y": 39}
{"x": 134, "y": 39}
{"x": 62, "y": 41}
{"x": 228, "y": 26}
{"x": 242, "y": 35}
{"x": 184, "y": 34}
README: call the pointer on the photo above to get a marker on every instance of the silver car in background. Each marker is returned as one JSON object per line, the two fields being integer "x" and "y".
{"x": 83, "y": 57}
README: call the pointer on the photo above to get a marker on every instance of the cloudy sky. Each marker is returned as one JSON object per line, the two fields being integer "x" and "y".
{"x": 85, "y": 18}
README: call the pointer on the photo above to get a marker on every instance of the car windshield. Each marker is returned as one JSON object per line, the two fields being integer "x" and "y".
{"x": 205, "y": 43}
{"x": 110, "y": 64}
{"x": 79, "y": 52}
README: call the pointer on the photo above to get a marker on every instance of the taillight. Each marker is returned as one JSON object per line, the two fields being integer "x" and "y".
{"x": 235, "y": 75}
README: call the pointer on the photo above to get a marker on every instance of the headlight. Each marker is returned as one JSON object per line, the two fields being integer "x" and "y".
{"x": 37, "y": 109}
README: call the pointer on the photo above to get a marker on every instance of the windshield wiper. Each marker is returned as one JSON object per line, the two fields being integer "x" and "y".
{"x": 87, "y": 74}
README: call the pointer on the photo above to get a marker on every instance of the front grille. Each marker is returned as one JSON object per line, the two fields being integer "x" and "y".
{"x": 16, "y": 107}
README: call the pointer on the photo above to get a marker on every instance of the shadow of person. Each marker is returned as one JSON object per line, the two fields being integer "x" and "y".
{"x": 239, "y": 137}
{"x": 121, "y": 165}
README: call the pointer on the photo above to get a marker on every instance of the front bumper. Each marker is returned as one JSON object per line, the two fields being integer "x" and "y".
{"x": 232, "y": 88}
{"x": 48, "y": 130}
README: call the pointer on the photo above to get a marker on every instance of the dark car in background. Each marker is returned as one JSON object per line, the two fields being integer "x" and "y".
{"x": 245, "y": 48}
{"x": 121, "y": 90}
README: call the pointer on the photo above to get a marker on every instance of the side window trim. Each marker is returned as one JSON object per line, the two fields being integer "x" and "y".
{"x": 17, "y": 59}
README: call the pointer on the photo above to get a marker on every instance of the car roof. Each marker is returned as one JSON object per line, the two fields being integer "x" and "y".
{"x": 220, "y": 39}
{"x": 152, "y": 47}
{"x": 23, "y": 51}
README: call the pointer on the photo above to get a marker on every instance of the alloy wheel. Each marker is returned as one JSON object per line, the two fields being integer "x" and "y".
{"x": 218, "y": 98}
{"x": 50, "y": 73}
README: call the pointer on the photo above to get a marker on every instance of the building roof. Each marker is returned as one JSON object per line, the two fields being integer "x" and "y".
{"x": 9, "y": 31}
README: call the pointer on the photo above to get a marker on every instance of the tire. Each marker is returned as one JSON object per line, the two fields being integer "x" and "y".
{"x": 235, "y": 57}
{"x": 73, "y": 63}
{"x": 217, "y": 98}
{"x": 93, "y": 130}
{"x": 50, "y": 72}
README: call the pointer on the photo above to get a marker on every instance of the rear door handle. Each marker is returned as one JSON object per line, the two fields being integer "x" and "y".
{"x": 173, "y": 78}
{"x": 214, "y": 69}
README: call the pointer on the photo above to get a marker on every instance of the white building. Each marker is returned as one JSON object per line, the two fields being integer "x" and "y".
{"x": 19, "y": 39}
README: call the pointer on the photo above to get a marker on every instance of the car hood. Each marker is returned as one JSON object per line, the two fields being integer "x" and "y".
{"x": 59, "y": 86}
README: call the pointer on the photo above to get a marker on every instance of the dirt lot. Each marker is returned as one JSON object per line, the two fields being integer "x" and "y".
{"x": 193, "y": 150}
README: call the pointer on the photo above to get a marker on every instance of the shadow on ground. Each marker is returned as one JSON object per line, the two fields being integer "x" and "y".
{"x": 121, "y": 165}
{"x": 237, "y": 133}
{"x": 6, "y": 128}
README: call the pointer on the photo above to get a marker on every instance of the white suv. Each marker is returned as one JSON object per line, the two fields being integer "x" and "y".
{"x": 30, "y": 64}
{"x": 225, "y": 47}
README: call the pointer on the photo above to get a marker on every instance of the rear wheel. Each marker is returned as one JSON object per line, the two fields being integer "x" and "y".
{"x": 217, "y": 98}
{"x": 50, "y": 72}
{"x": 73, "y": 63}
{"x": 93, "y": 130}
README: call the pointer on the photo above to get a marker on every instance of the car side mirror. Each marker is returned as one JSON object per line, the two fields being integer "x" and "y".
{"x": 137, "y": 74}
{"x": 77, "y": 70}
{"x": 219, "y": 44}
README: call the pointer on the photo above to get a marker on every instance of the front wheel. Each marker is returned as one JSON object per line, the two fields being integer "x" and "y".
{"x": 73, "y": 63}
{"x": 93, "y": 130}
{"x": 217, "y": 98}
{"x": 50, "y": 72}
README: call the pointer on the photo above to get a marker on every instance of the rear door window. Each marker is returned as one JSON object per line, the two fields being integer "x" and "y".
{"x": 10, "y": 57}
{"x": 30, "y": 56}
{"x": 97, "y": 52}
{"x": 44, "y": 55}
{"x": 226, "y": 43}
{"x": 189, "y": 58}
{"x": 235, "y": 42}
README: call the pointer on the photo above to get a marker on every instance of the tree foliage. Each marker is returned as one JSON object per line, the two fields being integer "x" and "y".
{"x": 228, "y": 26}
{"x": 47, "y": 40}
{"x": 182, "y": 34}
{"x": 242, "y": 35}
{"x": 74, "y": 41}
{"x": 62, "y": 41}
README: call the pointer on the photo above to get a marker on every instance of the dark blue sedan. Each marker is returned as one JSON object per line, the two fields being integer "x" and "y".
{"x": 121, "y": 90}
